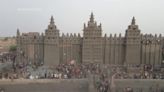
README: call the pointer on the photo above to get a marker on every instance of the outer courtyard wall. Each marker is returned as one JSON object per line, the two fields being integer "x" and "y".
{"x": 138, "y": 85}
{"x": 45, "y": 85}
{"x": 80, "y": 85}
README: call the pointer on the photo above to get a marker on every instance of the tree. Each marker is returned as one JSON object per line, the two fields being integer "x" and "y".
{"x": 12, "y": 48}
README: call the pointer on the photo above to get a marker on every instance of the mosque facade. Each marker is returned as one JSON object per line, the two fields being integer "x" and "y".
{"x": 52, "y": 48}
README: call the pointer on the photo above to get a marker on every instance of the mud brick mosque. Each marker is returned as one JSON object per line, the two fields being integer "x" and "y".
{"x": 52, "y": 48}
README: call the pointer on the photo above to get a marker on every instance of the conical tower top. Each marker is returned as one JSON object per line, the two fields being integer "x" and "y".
{"x": 92, "y": 17}
{"x": 52, "y": 24}
{"x": 52, "y": 20}
{"x": 133, "y": 21}
{"x": 18, "y": 33}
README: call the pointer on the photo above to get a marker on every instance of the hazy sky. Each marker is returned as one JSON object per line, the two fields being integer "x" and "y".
{"x": 69, "y": 15}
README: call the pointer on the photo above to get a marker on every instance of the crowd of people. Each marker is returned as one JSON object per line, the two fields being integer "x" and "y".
{"x": 62, "y": 71}
{"x": 6, "y": 57}
{"x": 102, "y": 83}
{"x": 68, "y": 71}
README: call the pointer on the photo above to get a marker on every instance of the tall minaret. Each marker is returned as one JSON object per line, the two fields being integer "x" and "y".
{"x": 18, "y": 37}
{"x": 133, "y": 44}
{"x": 18, "y": 42}
{"x": 51, "y": 44}
{"x": 92, "y": 42}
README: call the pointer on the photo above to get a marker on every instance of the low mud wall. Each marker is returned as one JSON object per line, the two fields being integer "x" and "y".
{"x": 45, "y": 85}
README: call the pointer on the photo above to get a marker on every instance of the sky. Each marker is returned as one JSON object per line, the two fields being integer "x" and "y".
{"x": 70, "y": 15}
